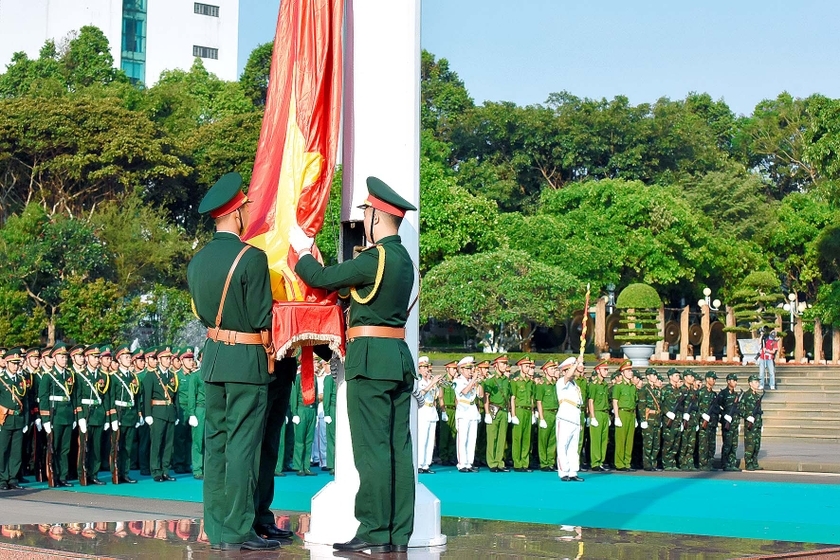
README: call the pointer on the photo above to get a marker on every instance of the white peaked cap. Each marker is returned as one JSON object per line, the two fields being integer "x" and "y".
{"x": 466, "y": 361}
{"x": 423, "y": 360}
{"x": 568, "y": 362}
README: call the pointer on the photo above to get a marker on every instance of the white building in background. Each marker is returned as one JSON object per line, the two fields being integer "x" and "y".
{"x": 146, "y": 36}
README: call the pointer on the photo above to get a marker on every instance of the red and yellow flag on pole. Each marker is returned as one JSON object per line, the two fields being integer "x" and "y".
{"x": 294, "y": 169}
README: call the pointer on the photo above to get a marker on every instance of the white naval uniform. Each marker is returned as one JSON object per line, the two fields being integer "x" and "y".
{"x": 427, "y": 417}
{"x": 466, "y": 422}
{"x": 568, "y": 428}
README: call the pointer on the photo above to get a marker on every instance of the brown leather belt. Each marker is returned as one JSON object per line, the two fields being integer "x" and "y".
{"x": 160, "y": 403}
{"x": 234, "y": 337}
{"x": 378, "y": 332}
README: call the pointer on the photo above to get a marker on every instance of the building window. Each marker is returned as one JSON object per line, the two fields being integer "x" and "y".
{"x": 133, "y": 51}
{"x": 205, "y": 52}
{"x": 206, "y": 9}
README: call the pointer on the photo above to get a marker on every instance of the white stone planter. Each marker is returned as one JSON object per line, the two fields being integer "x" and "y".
{"x": 639, "y": 354}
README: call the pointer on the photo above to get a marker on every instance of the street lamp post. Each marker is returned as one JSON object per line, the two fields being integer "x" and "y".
{"x": 707, "y": 300}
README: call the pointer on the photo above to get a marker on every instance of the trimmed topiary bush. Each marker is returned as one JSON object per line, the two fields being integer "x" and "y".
{"x": 639, "y": 320}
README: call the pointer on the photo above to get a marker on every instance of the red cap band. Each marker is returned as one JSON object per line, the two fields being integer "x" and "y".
{"x": 380, "y": 204}
{"x": 231, "y": 205}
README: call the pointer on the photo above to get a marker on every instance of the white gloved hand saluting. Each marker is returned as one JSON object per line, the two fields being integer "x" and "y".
{"x": 299, "y": 240}
{"x": 194, "y": 421}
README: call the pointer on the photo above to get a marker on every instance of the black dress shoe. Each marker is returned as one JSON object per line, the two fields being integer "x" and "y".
{"x": 430, "y": 471}
{"x": 96, "y": 481}
{"x": 127, "y": 480}
{"x": 601, "y": 468}
{"x": 253, "y": 544}
{"x": 357, "y": 545}
{"x": 63, "y": 484}
{"x": 168, "y": 478}
{"x": 272, "y": 531}
{"x": 399, "y": 548}
{"x": 575, "y": 478}
{"x": 473, "y": 469}
{"x": 158, "y": 479}
{"x": 565, "y": 478}
{"x": 301, "y": 473}
{"x": 4, "y": 486}
{"x": 465, "y": 469}
{"x": 546, "y": 469}
{"x": 14, "y": 486}
{"x": 276, "y": 474}
{"x": 495, "y": 469}
{"x": 310, "y": 473}
{"x": 504, "y": 469}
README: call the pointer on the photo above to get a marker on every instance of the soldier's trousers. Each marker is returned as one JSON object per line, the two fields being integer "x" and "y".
{"x": 706, "y": 444}
{"x": 163, "y": 437}
{"x": 197, "y": 447}
{"x": 144, "y": 448}
{"x": 331, "y": 445}
{"x": 624, "y": 439}
{"x": 547, "y": 440}
{"x": 183, "y": 442}
{"x": 304, "y": 436}
{"x": 521, "y": 443}
{"x": 752, "y": 444}
{"x": 92, "y": 440}
{"x": 62, "y": 438}
{"x": 281, "y": 447}
{"x": 446, "y": 438}
{"x": 651, "y": 442}
{"x": 277, "y": 403}
{"x": 11, "y": 448}
{"x": 671, "y": 437}
{"x": 688, "y": 443}
{"x": 426, "y": 425}
{"x": 728, "y": 454}
{"x": 481, "y": 439}
{"x": 598, "y": 436}
{"x": 127, "y": 436}
{"x": 496, "y": 438}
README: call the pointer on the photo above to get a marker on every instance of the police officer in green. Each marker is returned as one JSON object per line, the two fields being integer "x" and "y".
{"x": 124, "y": 401}
{"x": 160, "y": 387}
{"x": 91, "y": 411}
{"x": 379, "y": 367}
{"x": 730, "y": 403}
{"x": 236, "y": 376}
{"x": 195, "y": 413}
{"x": 303, "y": 417}
{"x": 709, "y": 415}
{"x": 751, "y": 413}
{"x": 598, "y": 404}
{"x": 496, "y": 405}
{"x": 56, "y": 403}
{"x": 15, "y": 418}
{"x": 547, "y": 405}
{"x": 522, "y": 408}
{"x": 583, "y": 448}
{"x": 624, "y": 412}
{"x": 447, "y": 435}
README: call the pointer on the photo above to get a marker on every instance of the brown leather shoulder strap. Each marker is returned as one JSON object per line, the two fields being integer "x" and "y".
{"x": 227, "y": 284}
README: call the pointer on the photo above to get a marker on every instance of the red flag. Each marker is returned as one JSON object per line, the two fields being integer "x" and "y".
{"x": 294, "y": 167}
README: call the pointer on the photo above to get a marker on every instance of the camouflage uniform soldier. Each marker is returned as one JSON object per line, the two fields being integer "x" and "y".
{"x": 709, "y": 415}
{"x": 690, "y": 423}
{"x": 730, "y": 402}
{"x": 651, "y": 420}
{"x": 446, "y": 436}
{"x": 751, "y": 413}
{"x": 672, "y": 397}
{"x": 496, "y": 406}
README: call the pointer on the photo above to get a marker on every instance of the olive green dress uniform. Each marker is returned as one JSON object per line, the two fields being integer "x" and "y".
{"x": 13, "y": 396}
{"x": 91, "y": 387}
{"x": 57, "y": 405}
{"x": 32, "y": 457}
{"x": 124, "y": 401}
{"x": 497, "y": 390}
{"x": 448, "y": 431}
{"x": 546, "y": 394}
{"x": 144, "y": 431}
{"x": 304, "y": 429}
{"x": 183, "y": 430}
{"x": 706, "y": 437}
{"x": 522, "y": 391}
{"x": 160, "y": 387}
{"x": 625, "y": 393}
{"x": 751, "y": 407}
{"x": 599, "y": 393}
{"x": 730, "y": 405}
{"x": 380, "y": 376}
{"x": 330, "y": 387}
{"x": 196, "y": 407}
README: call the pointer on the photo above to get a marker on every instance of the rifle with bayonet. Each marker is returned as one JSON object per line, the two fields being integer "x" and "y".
{"x": 49, "y": 466}
{"x": 732, "y": 411}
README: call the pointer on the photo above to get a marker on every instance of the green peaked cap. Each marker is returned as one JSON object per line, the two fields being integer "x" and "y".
{"x": 221, "y": 192}
{"x": 379, "y": 189}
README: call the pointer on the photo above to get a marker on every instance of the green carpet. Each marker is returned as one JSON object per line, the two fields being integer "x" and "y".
{"x": 699, "y": 505}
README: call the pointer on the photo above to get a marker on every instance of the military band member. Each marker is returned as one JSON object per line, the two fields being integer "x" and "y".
{"x": 196, "y": 415}
{"x": 709, "y": 417}
{"x": 568, "y": 422}
{"x": 650, "y": 398}
{"x": 125, "y": 404}
{"x": 751, "y": 413}
{"x": 448, "y": 433}
{"x": 690, "y": 422}
{"x": 598, "y": 403}
{"x": 547, "y": 405}
{"x": 14, "y": 418}
{"x": 496, "y": 411}
{"x": 624, "y": 413}
{"x": 91, "y": 387}
{"x": 466, "y": 414}
{"x": 427, "y": 416}
{"x": 56, "y": 403}
{"x": 303, "y": 418}
{"x": 730, "y": 403}
{"x": 160, "y": 388}
{"x": 522, "y": 408}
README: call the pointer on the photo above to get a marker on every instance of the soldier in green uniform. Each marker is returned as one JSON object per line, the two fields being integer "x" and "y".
{"x": 447, "y": 432}
{"x": 91, "y": 387}
{"x": 236, "y": 376}
{"x": 56, "y": 403}
{"x": 31, "y": 371}
{"x": 380, "y": 370}
{"x": 496, "y": 406}
{"x": 15, "y": 419}
{"x": 672, "y": 401}
{"x": 482, "y": 370}
{"x": 160, "y": 387}
{"x": 583, "y": 442}
{"x": 709, "y": 416}
{"x": 651, "y": 419}
{"x": 547, "y": 405}
{"x": 303, "y": 417}
{"x": 751, "y": 413}
{"x": 730, "y": 403}
{"x": 690, "y": 422}
{"x": 183, "y": 431}
{"x": 624, "y": 412}
{"x": 598, "y": 405}
{"x": 196, "y": 414}
{"x": 144, "y": 444}
{"x": 125, "y": 404}
{"x": 522, "y": 408}
{"x": 330, "y": 390}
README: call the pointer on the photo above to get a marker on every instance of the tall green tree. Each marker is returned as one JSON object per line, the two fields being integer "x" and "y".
{"x": 254, "y": 79}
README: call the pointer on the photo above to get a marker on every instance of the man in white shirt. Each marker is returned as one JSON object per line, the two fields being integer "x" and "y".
{"x": 568, "y": 422}
{"x": 466, "y": 414}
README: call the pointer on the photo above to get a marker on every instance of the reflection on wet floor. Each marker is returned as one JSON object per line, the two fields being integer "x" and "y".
{"x": 467, "y": 538}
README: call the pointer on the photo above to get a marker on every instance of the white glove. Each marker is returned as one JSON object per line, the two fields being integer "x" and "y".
{"x": 488, "y": 419}
{"x": 686, "y": 416}
{"x": 514, "y": 421}
{"x": 106, "y": 426}
{"x": 706, "y": 417}
{"x": 534, "y": 418}
{"x": 115, "y": 425}
{"x": 38, "y": 424}
{"x": 727, "y": 418}
{"x": 510, "y": 417}
{"x": 593, "y": 422}
{"x": 177, "y": 421}
{"x": 618, "y": 423}
{"x": 295, "y": 419}
{"x": 644, "y": 425}
{"x": 286, "y": 420}
{"x": 682, "y": 427}
{"x": 24, "y": 429}
{"x": 194, "y": 421}
{"x": 149, "y": 420}
{"x": 328, "y": 419}
{"x": 444, "y": 416}
{"x": 670, "y": 415}
{"x": 138, "y": 424}
{"x": 637, "y": 423}
{"x": 587, "y": 422}
{"x": 750, "y": 419}
{"x": 696, "y": 428}
{"x": 74, "y": 424}
{"x": 83, "y": 425}
{"x": 48, "y": 427}
{"x": 610, "y": 422}
{"x": 298, "y": 239}
{"x": 543, "y": 424}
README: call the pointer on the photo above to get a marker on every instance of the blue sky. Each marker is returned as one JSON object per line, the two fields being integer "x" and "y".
{"x": 740, "y": 50}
